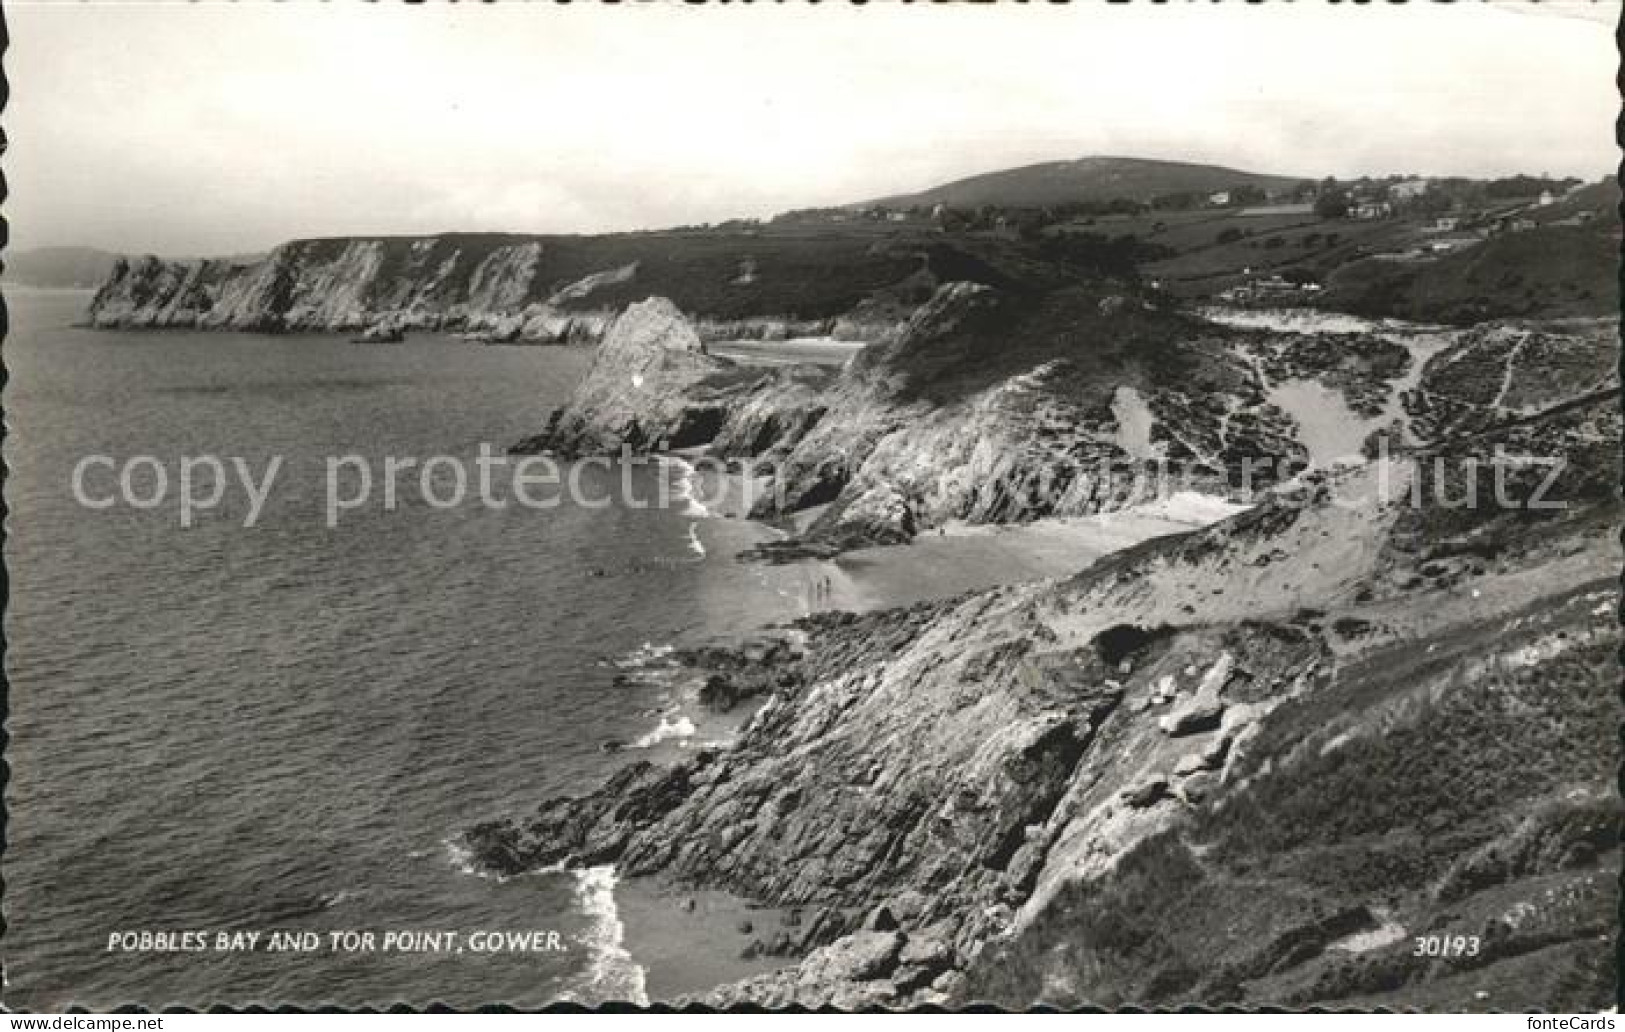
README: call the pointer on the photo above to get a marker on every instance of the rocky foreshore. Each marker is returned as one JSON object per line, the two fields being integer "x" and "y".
{"x": 1063, "y": 792}
{"x": 1243, "y": 764}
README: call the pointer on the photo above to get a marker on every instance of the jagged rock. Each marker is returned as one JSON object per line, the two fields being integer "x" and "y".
{"x": 1190, "y": 763}
{"x": 1198, "y": 787}
{"x": 384, "y": 331}
{"x": 720, "y": 693}
{"x": 908, "y": 905}
{"x": 1148, "y": 792}
{"x": 880, "y": 919}
{"x": 859, "y": 957}
{"x": 928, "y": 950}
{"x": 1198, "y": 716}
{"x": 911, "y": 977}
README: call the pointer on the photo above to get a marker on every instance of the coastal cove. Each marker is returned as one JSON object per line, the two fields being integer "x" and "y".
{"x": 817, "y": 510}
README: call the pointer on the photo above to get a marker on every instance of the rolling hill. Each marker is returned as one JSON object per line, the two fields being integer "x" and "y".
{"x": 59, "y": 266}
{"x": 1086, "y": 179}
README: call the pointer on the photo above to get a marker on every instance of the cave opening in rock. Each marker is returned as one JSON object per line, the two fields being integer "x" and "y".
{"x": 1123, "y": 641}
{"x": 698, "y": 426}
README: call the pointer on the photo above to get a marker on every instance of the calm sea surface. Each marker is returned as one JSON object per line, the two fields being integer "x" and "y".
{"x": 220, "y": 728}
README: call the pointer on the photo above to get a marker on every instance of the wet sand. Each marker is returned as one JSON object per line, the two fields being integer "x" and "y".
{"x": 961, "y": 557}
{"x": 689, "y": 941}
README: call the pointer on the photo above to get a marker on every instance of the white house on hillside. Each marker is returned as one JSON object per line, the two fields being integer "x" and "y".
{"x": 1408, "y": 189}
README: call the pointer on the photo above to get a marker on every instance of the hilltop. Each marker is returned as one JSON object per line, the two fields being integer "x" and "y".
{"x": 59, "y": 266}
{"x": 1054, "y": 183}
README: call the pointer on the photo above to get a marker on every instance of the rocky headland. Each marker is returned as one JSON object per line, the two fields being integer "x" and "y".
{"x": 503, "y": 288}
{"x": 1252, "y": 763}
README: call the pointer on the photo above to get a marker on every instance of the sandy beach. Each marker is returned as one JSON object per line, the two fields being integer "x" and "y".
{"x": 960, "y": 557}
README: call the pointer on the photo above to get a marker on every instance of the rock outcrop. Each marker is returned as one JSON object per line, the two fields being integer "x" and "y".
{"x": 988, "y": 405}
{"x": 1218, "y": 767}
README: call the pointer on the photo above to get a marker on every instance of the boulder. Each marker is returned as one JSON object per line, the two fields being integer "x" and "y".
{"x": 859, "y": 957}
{"x": 1190, "y": 763}
{"x": 1199, "y": 787}
{"x": 1147, "y": 793}
{"x": 927, "y": 949}
{"x": 880, "y": 919}
{"x": 1197, "y": 717}
{"x": 384, "y": 331}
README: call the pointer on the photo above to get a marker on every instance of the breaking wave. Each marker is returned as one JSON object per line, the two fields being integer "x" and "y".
{"x": 611, "y": 973}
{"x": 684, "y": 483}
{"x": 682, "y": 727}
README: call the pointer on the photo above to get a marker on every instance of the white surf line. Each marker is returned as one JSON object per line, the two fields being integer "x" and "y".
{"x": 682, "y": 727}
{"x": 612, "y": 974}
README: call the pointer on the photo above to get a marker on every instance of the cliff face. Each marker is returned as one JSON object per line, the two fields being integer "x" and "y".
{"x": 999, "y": 405}
{"x": 1252, "y": 763}
{"x": 651, "y": 385}
{"x": 322, "y": 286}
{"x": 988, "y": 405}
{"x": 511, "y": 288}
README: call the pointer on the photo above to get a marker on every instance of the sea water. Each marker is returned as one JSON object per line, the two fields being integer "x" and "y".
{"x": 285, "y": 727}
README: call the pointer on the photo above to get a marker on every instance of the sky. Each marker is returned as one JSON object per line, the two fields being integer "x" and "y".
{"x": 193, "y": 129}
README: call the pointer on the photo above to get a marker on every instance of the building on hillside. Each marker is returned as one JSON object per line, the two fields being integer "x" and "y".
{"x": 1268, "y": 290}
{"x": 1408, "y": 189}
{"x": 1546, "y": 197}
{"x": 1446, "y": 223}
{"x": 1220, "y": 199}
{"x": 1371, "y": 210}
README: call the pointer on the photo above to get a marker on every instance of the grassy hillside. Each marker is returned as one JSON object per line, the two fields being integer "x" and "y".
{"x": 1551, "y": 271}
{"x": 1087, "y": 179}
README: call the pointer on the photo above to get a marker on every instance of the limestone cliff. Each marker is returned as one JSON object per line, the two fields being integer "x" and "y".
{"x": 516, "y": 288}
